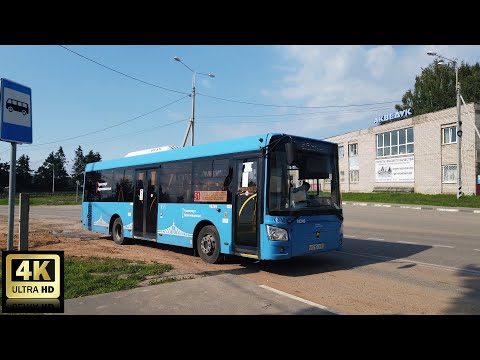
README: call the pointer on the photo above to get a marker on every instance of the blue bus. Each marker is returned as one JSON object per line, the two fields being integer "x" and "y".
{"x": 267, "y": 197}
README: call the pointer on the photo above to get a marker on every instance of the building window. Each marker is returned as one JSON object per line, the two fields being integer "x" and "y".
{"x": 354, "y": 176}
{"x": 353, "y": 149}
{"x": 397, "y": 142}
{"x": 342, "y": 176}
{"x": 449, "y": 135}
{"x": 340, "y": 151}
{"x": 449, "y": 174}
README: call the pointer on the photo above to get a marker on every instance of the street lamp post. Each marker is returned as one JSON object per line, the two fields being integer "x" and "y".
{"x": 191, "y": 124}
{"x": 459, "y": 121}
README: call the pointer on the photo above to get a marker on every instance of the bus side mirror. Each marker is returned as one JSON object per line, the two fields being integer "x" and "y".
{"x": 291, "y": 151}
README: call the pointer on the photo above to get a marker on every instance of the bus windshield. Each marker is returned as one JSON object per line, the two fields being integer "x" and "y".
{"x": 310, "y": 185}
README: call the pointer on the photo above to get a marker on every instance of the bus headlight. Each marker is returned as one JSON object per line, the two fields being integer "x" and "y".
{"x": 276, "y": 233}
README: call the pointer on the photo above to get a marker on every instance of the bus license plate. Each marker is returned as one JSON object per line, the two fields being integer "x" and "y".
{"x": 316, "y": 246}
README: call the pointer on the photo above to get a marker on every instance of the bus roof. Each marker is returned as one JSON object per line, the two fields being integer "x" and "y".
{"x": 244, "y": 144}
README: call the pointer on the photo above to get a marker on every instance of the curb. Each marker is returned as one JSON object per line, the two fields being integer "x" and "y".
{"x": 415, "y": 207}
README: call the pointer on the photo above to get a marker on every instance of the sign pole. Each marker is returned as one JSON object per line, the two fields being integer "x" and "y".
{"x": 15, "y": 127}
{"x": 76, "y": 195}
{"x": 11, "y": 196}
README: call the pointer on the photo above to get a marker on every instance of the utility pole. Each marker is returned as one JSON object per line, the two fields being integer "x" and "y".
{"x": 193, "y": 108}
{"x": 454, "y": 62}
{"x": 53, "y": 178}
{"x": 459, "y": 136}
{"x": 191, "y": 124}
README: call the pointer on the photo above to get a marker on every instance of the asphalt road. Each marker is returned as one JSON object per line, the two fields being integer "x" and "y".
{"x": 65, "y": 211}
{"x": 442, "y": 238}
{"x": 394, "y": 261}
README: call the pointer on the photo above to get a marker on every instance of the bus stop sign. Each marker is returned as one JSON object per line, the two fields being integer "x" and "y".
{"x": 15, "y": 112}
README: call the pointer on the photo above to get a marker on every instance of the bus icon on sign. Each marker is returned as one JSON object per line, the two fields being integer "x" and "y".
{"x": 15, "y": 105}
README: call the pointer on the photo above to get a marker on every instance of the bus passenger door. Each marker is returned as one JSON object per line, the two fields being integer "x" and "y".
{"x": 246, "y": 202}
{"x": 138, "y": 204}
{"x": 145, "y": 205}
{"x": 151, "y": 205}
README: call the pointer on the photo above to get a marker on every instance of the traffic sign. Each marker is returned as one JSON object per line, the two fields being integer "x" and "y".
{"x": 15, "y": 112}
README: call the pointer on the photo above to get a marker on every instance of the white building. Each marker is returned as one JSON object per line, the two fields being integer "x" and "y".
{"x": 417, "y": 154}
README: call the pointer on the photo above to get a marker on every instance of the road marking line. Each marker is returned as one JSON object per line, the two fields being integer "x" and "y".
{"x": 401, "y": 260}
{"x": 407, "y": 242}
{"x": 360, "y": 204}
{"x": 411, "y": 207}
{"x": 476, "y": 211}
{"x": 445, "y": 246}
{"x": 451, "y": 210}
{"x": 375, "y": 239}
{"x": 476, "y": 249}
{"x": 349, "y": 236}
{"x": 308, "y": 302}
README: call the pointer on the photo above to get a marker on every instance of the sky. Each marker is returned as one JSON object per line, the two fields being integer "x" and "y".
{"x": 296, "y": 89}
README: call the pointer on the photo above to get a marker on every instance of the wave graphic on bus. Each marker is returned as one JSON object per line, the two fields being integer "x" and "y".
{"x": 15, "y": 105}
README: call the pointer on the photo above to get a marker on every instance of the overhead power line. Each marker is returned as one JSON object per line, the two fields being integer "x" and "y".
{"x": 293, "y": 114}
{"x": 225, "y": 99}
{"x": 296, "y": 106}
{"x": 96, "y": 141}
{"x": 112, "y": 126}
{"x": 123, "y": 74}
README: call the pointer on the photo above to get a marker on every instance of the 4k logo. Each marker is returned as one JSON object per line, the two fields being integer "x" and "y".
{"x": 32, "y": 281}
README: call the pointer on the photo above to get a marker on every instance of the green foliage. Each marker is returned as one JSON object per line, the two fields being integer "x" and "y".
{"x": 4, "y": 168}
{"x": 80, "y": 161}
{"x": 78, "y": 165}
{"x": 93, "y": 275}
{"x": 54, "y": 165}
{"x": 92, "y": 157}
{"x": 23, "y": 174}
{"x": 434, "y": 88}
{"x": 48, "y": 200}
{"x": 415, "y": 199}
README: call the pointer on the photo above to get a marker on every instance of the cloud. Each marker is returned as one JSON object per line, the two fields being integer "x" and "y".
{"x": 352, "y": 74}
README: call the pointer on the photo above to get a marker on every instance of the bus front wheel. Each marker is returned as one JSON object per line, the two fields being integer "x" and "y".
{"x": 208, "y": 245}
{"x": 117, "y": 232}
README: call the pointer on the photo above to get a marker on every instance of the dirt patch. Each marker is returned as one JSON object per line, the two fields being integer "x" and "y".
{"x": 61, "y": 234}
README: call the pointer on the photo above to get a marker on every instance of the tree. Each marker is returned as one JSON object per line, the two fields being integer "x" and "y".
{"x": 92, "y": 157}
{"x": 54, "y": 164}
{"x": 23, "y": 173}
{"x": 434, "y": 88}
{"x": 4, "y": 175}
{"x": 61, "y": 174}
{"x": 43, "y": 176}
{"x": 80, "y": 161}
{"x": 78, "y": 165}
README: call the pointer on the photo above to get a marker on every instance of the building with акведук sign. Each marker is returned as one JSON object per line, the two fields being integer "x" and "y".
{"x": 416, "y": 154}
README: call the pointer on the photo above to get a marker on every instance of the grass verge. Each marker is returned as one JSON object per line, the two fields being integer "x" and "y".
{"x": 49, "y": 200}
{"x": 415, "y": 199}
{"x": 86, "y": 276}
{"x": 91, "y": 275}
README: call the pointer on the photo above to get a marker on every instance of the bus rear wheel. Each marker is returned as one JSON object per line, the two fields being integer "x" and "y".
{"x": 117, "y": 232}
{"x": 208, "y": 245}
